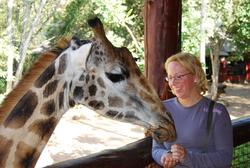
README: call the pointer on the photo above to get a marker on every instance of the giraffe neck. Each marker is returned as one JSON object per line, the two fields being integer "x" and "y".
{"x": 28, "y": 127}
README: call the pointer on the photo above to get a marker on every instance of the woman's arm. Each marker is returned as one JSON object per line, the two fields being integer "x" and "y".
{"x": 158, "y": 150}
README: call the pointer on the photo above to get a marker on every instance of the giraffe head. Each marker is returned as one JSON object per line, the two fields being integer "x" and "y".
{"x": 107, "y": 80}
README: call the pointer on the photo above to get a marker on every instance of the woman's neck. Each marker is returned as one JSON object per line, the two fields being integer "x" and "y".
{"x": 190, "y": 101}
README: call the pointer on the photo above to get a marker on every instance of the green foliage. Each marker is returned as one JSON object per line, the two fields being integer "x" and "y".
{"x": 226, "y": 20}
{"x": 5, "y": 50}
{"x": 122, "y": 20}
{"x": 190, "y": 26}
{"x": 117, "y": 17}
{"x": 125, "y": 21}
{"x": 71, "y": 21}
{"x": 3, "y": 16}
{"x": 241, "y": 156}
{"x": 239, "y": 32}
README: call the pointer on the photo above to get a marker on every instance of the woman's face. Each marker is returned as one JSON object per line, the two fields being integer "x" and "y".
{"x": 180, "y": 80}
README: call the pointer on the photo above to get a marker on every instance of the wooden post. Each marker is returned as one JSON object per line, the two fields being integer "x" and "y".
{"x": 162, "y": 39}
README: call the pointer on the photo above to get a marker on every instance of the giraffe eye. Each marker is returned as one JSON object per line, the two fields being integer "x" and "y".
{"x": 114, "y": 77}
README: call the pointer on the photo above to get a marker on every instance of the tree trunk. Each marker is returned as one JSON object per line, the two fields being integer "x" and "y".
{"x": 162, "y": 39}
{"x": 52, "y": 12}
{"x": 203, "y": 34}
{"x": 11, "y": 52}
{"x": 215, "y": 60}
{"x": 26, "y": 16}
{"x": 26, "y": 42}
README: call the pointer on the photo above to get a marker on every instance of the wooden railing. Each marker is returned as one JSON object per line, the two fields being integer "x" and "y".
{"x": 138, "y": 154}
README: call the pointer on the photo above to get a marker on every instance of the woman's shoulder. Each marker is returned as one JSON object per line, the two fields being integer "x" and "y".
{"x": 218, "y": 106}
{"x": 219, "y": 110}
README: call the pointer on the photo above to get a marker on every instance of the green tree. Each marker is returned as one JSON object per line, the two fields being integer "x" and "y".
{"x": 224, "y": 18}
{"x": 226, "y": 21}
{"x": 122, "y": 19}
{"x": 191, "y": 26}
{"x": 22, "y": 32}
{"x": 35, "y": 24}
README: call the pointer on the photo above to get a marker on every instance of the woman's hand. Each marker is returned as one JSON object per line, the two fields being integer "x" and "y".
{"x": 178, "y": 152}
{"x": 168, "y": 161}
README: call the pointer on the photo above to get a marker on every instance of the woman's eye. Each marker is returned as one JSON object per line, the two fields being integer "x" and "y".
{"x": 115, "y": 77}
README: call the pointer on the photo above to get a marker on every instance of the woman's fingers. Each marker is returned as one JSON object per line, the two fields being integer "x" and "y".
{"x": 178, "y": 152}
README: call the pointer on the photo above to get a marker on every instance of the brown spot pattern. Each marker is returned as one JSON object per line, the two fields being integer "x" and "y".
{"x": 50, "y": 88}
{"x": 4, "y": 150}
{"x": 92, "y": 90}
{"x": 78, "y": 93}
{"x": 87, "y": 78}
{"x": 82, "y": 77}
{"x": 48, "y": 107}
{"x": 62, "y": 64}
{"x": 115, "y": 101}
{"x": 98, "y": 105}
{"x": 45, "y": 76}
{"x": 131, "y": 115}
{"x": 111, "y": 113}
{"x": 25, "y": 156}
{"x": 71, "y": 103}
{"x": 61, "y": 99}
{"x": 43, "y": 128}
{"x": 101, "y": 82}
{"x": 22, "y": 111}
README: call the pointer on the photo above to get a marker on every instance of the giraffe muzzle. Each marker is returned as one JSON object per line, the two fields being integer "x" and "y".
{"x": 164, "y": 130}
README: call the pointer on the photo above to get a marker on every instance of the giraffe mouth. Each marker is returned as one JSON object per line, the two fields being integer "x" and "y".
{"x": 163, "y": 133}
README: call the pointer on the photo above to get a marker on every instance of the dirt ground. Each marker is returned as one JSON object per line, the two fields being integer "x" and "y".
{"x": 237, "y": 100}
{"x": 82, "y": 132}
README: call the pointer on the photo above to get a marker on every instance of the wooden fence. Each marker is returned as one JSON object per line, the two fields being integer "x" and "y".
{"x": 138, "y": 154}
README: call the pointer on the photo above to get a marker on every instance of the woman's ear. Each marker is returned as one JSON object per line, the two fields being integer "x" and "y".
{"x": 195, "y": 80}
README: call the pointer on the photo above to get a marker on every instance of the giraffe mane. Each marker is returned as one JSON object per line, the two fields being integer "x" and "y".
{"x": 45, "y": 59}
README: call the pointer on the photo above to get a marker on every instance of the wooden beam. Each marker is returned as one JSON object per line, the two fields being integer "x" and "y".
{"x": 136, "y": 154}
{"x": 162, "y": 39}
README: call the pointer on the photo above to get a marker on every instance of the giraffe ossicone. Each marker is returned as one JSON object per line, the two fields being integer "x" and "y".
{"x": 93, "y": 73}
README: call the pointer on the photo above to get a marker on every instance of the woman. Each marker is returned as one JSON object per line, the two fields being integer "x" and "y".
{"x": 194, "y": 146}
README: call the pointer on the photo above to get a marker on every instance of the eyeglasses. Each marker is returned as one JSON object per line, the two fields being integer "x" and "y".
{"x": 176, "y": 78}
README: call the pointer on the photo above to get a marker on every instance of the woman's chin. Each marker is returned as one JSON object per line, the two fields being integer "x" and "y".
{"x": 178, "y": 94}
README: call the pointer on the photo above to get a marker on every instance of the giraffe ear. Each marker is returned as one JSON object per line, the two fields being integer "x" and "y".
{"x": 83, "y": 54}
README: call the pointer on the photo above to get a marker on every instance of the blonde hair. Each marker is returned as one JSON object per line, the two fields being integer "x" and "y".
{"x": 193, "y": 65}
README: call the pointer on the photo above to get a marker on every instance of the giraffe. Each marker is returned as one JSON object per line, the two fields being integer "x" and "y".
{"x": 93, "y": 73}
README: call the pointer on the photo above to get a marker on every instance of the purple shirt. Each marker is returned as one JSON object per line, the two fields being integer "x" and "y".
{"x": 190, "y": 124}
